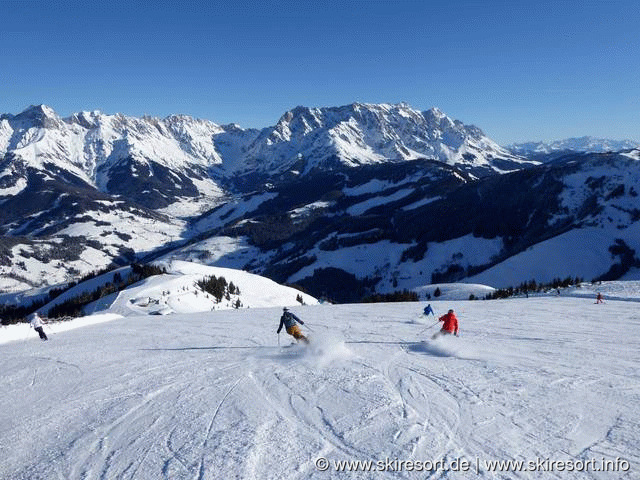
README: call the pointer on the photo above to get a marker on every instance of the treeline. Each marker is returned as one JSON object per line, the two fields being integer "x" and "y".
{"x": 219, "y": 289}
{"x": 532, "y": 286}
{"x": 403, "y": 296}
{"x": 73, "y": 307}
{"x": 10, "y": 314}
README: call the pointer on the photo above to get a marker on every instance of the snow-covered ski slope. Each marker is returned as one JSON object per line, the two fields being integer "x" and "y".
{"x": 211, "y": 395}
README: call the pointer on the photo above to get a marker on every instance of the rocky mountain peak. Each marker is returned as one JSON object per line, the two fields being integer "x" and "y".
{"x": 41, "y": 116}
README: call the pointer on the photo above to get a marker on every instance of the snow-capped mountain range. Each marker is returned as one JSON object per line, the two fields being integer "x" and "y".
{"x": 582, "y": 144}
{"x": 194, "y": 155}
{"x": 363, "y": 134}
{"x": 383, "y": 196}
{"x": 115, "y": 154}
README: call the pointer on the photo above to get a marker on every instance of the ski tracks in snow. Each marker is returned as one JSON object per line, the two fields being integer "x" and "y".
{"x": 436, "y": 421}
{"x": 205, "y": 442}
{"x": 187, "y": 398}
{"x": 298, "y": 421}
{"x": 126, "y": 431}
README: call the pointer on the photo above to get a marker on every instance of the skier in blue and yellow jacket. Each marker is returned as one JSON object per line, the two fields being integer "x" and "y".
{"x": 288, "y": 320}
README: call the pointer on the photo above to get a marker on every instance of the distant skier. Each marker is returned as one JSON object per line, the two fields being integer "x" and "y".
{"x": 36, "y": 323}
{"x": 288, "y": 320}
{"x": 450, "y": 325}
{"x": 599, "y": 298}
{"x": 428, "y": 310}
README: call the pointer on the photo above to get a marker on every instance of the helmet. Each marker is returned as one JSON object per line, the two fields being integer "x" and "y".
{"x": 451, "y": 310}
{"x": 285, "y": 309}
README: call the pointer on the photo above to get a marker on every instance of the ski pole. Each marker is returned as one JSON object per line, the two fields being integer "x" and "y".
{"x": 278, "y": 339}
{"x": 427, "y": 328}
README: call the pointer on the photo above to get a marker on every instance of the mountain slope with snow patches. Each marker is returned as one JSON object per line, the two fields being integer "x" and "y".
{"x": 177, "y": 291}
{"x": 154, "y": 162}
{"x": 383, "y": 196}
{"x": 308, "y": 138}
{"x": 385, "y": 227}
{"x": 124, "y": 186}
{"x": 190, "y": 156}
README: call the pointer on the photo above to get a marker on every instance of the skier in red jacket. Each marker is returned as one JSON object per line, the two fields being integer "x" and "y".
{"x": 450, "y": 325}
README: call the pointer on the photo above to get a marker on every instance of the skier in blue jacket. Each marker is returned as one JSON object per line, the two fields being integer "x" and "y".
{"x": 288, "y": 320}
{"x": 428, "y": 310}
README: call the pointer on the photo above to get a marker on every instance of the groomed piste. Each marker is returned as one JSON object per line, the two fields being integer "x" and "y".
{"x": 211, "y": 394}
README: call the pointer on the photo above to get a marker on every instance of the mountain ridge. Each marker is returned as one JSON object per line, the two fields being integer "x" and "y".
{"x": 584, "y": 144}
{"x": 357, "y": 133}
{"x": 367, "y": 197}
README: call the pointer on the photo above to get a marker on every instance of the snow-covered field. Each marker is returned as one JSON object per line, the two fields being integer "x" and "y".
{"x": 211, "y": 395}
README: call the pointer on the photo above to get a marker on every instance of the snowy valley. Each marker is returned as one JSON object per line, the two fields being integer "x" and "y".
{"x": 341, "y": 201}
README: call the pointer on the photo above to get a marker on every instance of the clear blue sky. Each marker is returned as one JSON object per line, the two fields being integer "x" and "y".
{"x": 518, "y": 70}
